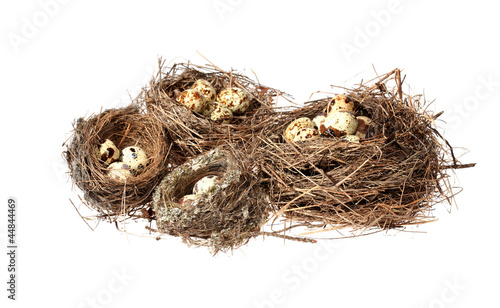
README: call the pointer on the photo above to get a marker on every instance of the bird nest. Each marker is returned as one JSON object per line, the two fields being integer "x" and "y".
{"x": 387, "y": 181}
{"x": 222, "y": 218}
{"x": 125, "y": 127}
{"x": 193, "y": 133}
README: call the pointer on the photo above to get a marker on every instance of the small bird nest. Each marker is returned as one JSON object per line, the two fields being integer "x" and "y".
{"x": 192, "y": 133}
{"x": 125, "y": 127}
{"x": 390, "y": 180}
{"x": 225, "y": 217}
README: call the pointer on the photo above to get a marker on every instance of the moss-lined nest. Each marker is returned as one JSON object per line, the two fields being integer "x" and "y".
{"x": 223, "y": 218}
{"x": 125, "y": 127}
{"x": 387, "y": 181}
{"x": 193, "y": 133}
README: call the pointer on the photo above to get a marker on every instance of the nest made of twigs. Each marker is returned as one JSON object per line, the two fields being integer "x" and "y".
{"x": 192, "y": 133}
{"x": 127, "y": 126}
{"x": 223, "y": 219}
{"x": 387, "y": 181}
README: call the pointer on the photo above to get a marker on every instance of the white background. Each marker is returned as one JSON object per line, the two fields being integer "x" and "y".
{"x": 66, "y": 59}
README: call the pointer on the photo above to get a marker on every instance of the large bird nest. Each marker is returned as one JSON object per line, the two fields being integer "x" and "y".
{"x": 127, "y": 126}
{"x": 388, "y": 181}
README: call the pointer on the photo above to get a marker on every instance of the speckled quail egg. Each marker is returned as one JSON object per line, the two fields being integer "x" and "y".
{"x": 319, "y": 119}
{"x": 135, "y": 157}
{"x": 340, "y": 102}
{"x": 106, "y": 151}
{"x": 235, "y": 99}
{"x": 119, "y": 171}
{"x": 340, "y": 123}
{"x": 295, "y": 126}
{"x": 351, "y": 138}
{"x": 306, "y": 134}
{"x": 192, "y": 99}
{"x": 206, "y": 184}
{"x": 187, "y": 200}
{"x": 364, "y": 125}
{"x": 221, "y": 114}
{"x": 209, "y": 108}
{"x": 206, "y": 88}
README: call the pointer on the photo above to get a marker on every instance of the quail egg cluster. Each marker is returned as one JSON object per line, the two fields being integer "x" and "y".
{"x": 219, "y": 107}
{"x": 338, "y": 121}
{"x": 123, "y": 164}
{"x": 205, "y": 185}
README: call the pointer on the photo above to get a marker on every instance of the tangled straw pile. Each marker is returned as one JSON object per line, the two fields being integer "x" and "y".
{"x": 388, "y": 181}
{"x": 125, "y": 127}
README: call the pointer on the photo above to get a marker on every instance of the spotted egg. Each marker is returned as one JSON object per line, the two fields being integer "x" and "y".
{"x": 187, "y": 200}
{"x": 306, "y": 134}
{"x": 206, "y": 184}
{"x": 365, "y": 127}
{"x": 221, "y": 114}
{"x": 295, "y": 126}
{"x": 205, "y": 88}
{"x": 340, "y": 123}
{"x": 192, "y": 99}
{"x": 319, "y": 120}
{"x": 135, "y": 157}
{"x": 209, "y": 108}
{"x": 351, "y": 138}
{"x": 119, "y": 171}
{"x": 106, "y": 151}
{"x": 235, "y": 99}
{"x": 340, "y": 102}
